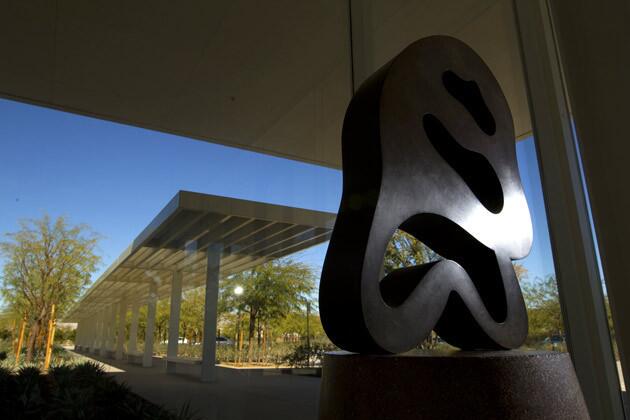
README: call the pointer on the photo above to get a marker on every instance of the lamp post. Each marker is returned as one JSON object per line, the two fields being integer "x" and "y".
{"x": 308, "y": 334}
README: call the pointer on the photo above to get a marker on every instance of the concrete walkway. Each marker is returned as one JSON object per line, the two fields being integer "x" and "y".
{"x": 236, "y": 394}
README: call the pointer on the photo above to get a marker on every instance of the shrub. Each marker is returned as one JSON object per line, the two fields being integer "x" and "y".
{"x": 61, "y": 376}
{"x": 82, "y": 391}
{"x": 31, "y": 392}
{"x": 303, "y": 356}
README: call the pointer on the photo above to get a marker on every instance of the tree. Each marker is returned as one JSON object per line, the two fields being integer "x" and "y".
{"x": 521, "y": 271}
{"x": 192, "y": 315}
{"x": 46, "y": 263}
{"x": 162, "y": 316}
{"x": 295, "y": 323}
{"x": 270, "y": 291}
{"x": 404, "y": 250}
{"x": 543, "y": 308}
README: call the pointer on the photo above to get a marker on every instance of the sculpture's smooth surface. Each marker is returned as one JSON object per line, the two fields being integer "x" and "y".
{"x": 429, "y": 148}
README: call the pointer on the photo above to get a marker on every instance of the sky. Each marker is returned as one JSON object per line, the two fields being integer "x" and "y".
{"x": 116, "y": 178}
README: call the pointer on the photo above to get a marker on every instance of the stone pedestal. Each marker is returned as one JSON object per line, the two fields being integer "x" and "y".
{"x": 460, "y": 385}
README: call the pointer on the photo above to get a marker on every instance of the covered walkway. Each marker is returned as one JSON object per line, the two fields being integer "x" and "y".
{"x": 238, "y": 395}
{"x": 196, "y": 240}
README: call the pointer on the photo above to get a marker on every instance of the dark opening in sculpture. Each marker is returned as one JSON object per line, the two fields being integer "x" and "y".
{"x": 428, "y": 147}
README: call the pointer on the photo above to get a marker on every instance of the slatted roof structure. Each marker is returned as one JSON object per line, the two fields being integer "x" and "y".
{"x": 249, "y": 232}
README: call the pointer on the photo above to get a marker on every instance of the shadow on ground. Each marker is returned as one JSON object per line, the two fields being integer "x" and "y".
{"x": 235, "y": 395}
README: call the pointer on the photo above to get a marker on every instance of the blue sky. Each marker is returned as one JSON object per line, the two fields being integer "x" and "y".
{"x": 116, "y": 178}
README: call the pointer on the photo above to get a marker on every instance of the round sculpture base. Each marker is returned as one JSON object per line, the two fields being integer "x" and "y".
{"x": 460, "y": 385}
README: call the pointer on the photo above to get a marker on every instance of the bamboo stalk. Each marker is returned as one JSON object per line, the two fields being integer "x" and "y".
{"x": 50, "y": 338}
{"x": 18, "y": 349}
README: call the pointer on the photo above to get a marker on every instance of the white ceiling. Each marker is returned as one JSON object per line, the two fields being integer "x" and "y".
{"x": 271, "y": 76}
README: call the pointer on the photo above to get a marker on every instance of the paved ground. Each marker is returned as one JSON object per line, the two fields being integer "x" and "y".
{"x": 236, "y": 394}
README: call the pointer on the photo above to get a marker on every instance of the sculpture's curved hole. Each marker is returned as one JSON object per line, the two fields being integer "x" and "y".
{"x": 445, "y": 239}
{"x": 473, "y": 167}
{"x": 404, "y": 255}
{"x": 468, "y": 94}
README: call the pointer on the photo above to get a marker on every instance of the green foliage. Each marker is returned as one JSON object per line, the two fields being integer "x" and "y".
{"x": 62, "y": 375}
{"x": 404, "y": 250}
{"x": 82, "y": 391}
{"x": 5, "y": 334}
{"x": 271, "y": 308}
{"x": 543, "y": 309}
{"x": 295, "y": 323}
{"x": 162, "y": 315}
{"x": 191, "y": 315}
{"x": 305, "y": 356}
{"x": 63, "y": 335}
{"x": 271, "y": 292}
{"x": 46, "y": 263}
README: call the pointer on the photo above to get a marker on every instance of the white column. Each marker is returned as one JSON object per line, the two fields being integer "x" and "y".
{"x": 89, "y": 334}
{"x": 95, "y": 343}
{"x": 121, "y": 337}
{"x": 95, "y": 336}
{"x": 208, "y": 358}
{"x": 132, "y": 347}
{"x": 173, "y": 321}
{"x": 82, "y": 331}
{"x": 77, "y": 336}
{"x": 105, "y": 331}
{"x": 147, "y": 357}
{"x": 111, "y": 328}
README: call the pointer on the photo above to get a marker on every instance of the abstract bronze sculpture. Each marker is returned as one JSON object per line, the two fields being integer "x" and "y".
{"x": 429, "y": 148}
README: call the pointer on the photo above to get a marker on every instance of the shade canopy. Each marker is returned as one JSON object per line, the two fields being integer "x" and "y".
{"x": 272, "y": 76}
{"x": 249, "y": 233}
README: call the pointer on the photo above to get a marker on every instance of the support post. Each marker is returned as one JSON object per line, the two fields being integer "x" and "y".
{"x": 95, "y": 334}
{"x": 18, "y": 349}
{"x": 50, "y": 339}
{"x": 77, "y": 336}
{"x": 111, "y": 331}
{"x": 121, "y": 337}
{"x": 105, "y": 327}
{"x": 147, "y": 357}
{"x": 132, "y": 347}
{"x": 81, "y": 334}
{"x": 83, "y": 328}
{"x": 85, "y": 331}
{"x": 92, "y": 333}
{"x": 208, "y": 359}
{"x": 173, "y": 321}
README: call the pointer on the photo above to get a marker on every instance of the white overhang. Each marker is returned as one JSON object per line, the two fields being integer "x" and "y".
{"x": 269, "y": 76}
{"x": 249, "y": 232}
